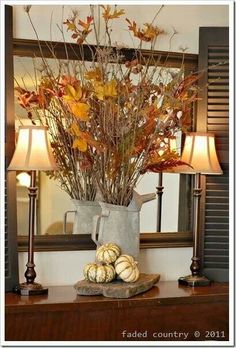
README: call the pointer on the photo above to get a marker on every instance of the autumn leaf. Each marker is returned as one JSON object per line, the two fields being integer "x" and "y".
{"x": 107, "y": 15}
{"x": 80, "y": 33}
{"x": 26, "y": 98}
{"x": 148, "y": 33}
{"x": 91, "y": 141}
{"x": 70, "y": 25}
{"x": 184, "y": 85}
{"x": 80, "y": 144}
{"x": 86, "y": 25}
{"x": 109, "y": 89}
{"x": 85, "y": 164}
{"x": 132, "y": 27}
{"x": 80, "y": 110}
{"x": 94, "y": 74}
{"x": 66, "y": 80}
{"x": 162, "y": 165}
{"x": 74, "y": 130}
{"x": 72, "y": 94}
{"x": 42, "y": 98}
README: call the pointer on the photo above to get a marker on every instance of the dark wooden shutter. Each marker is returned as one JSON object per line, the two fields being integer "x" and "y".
{"x": 213, "y": 116}
{"x": 11, "y": 253}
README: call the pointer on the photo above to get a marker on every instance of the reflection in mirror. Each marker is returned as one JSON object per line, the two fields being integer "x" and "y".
{"x": 52, "y": 202}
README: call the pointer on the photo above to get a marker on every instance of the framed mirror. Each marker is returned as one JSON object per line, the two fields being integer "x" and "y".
{"x": 50, "y": 234}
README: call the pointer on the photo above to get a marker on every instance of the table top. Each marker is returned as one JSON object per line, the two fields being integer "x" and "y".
{"x": 164, "y": 292}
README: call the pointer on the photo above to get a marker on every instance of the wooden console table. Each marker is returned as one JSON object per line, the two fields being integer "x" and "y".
{"x": 166, "y": 312}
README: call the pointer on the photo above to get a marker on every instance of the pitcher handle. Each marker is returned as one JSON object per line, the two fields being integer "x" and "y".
{"x": 65, "y": 219}
{"x": 96, "y": 224}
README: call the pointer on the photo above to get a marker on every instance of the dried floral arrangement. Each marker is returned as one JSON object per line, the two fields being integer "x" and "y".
{"x": 109, "y": 118}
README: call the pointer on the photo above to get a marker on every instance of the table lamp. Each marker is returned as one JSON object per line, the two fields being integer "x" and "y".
{"x": 200, "y": 154}
{"x": 33, "y": 152}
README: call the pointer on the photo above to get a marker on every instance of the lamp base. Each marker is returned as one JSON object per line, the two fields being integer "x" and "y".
{"x": 192, "y": 280}
{"x": 26, "y": 289}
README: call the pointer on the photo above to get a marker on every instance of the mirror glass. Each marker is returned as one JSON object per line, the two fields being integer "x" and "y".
{"x": 52, "y": 202}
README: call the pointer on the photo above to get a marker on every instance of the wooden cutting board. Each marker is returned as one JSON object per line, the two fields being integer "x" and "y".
{"x": 117, "y": 288}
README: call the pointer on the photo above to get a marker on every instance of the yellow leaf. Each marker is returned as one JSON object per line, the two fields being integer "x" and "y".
{"x": 68, "y": 98}
{"x": 80, "y": 144}
{"x": 93, "y": 74}
{"x": 70, "y": 25}
{"x": 108, "y": 89}
{"x": 99, "y": 90}
{"x": 72, "y": 93}
{"x": 108, "y": 15}
{"x": 75, "y": 130}
{"x": 80, "y": 110}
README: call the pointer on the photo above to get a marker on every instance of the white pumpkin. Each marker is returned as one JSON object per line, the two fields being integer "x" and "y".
{"x": 126, "y": 268}
{"x": 99, "y": 273}
{"x": 108, "y": 253}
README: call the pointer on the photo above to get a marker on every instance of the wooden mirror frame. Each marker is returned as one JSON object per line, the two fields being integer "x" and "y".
{"x": 30, "y": 48}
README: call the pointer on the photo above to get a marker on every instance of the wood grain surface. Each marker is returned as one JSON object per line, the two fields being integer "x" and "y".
{"x": 63, "y": 315}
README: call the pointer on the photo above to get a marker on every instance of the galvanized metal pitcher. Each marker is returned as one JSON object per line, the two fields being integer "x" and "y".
{"x": 120, "y": 225}
{"x": 84, "y": 214}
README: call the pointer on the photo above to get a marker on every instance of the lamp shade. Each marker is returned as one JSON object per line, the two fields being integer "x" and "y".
{"x": 33, "y": 150}
{"x": 199, "y": 152}
{"x": 168, "y": 143}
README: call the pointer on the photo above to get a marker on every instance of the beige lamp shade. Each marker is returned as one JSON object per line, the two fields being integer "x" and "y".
{"x": 33, "y": 150}
{"x": 199, "y": 152}
{"x": 170, "y": 143}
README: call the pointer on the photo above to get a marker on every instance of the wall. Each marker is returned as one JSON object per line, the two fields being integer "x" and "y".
{"x": 186, "y": 19}
{"x": 66, "y": 267}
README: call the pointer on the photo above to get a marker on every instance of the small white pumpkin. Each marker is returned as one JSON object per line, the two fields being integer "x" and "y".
{"x": 126, "y": 268}
{"x": 99, "y": 273}
{"x": 108, "y": 253}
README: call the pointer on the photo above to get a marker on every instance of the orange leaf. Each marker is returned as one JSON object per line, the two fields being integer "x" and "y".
{"x": 186, "y": 83}
{"x": 108, "y": 15}
{"x": 80, "y": 144}
{"x": 91, "y": 141}
{"x": 86, "y": 24}
{"x": 148, "y": 33}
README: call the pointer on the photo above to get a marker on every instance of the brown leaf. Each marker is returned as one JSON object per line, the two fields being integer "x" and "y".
{"x": 162, "y": 166}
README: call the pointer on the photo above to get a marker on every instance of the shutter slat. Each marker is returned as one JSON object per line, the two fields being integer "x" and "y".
{"x": 216, "y": 212}
{"x": 217, "y": 265}
{"x": 217, "y": 74}
{"x": 218, "y": 87}
{"x": 218, "y": 114}
{"x": 216, "y": 128}
{"x": 218, "y": 107}
{"x": 218, "y": 120}
{"x": 216, "y": 258}
{"x": 215, "y": 245}
{"x": 217, "y": 252}
{"x": 218, "y": 100}
{"x": 218, "y": 54}
{"x": 218, "y": 94}
{"x": 216, "y": 232}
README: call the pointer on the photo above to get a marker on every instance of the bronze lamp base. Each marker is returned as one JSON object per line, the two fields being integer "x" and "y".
{"x": 27, "y": 289}
{"x": 194, "y": 280}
